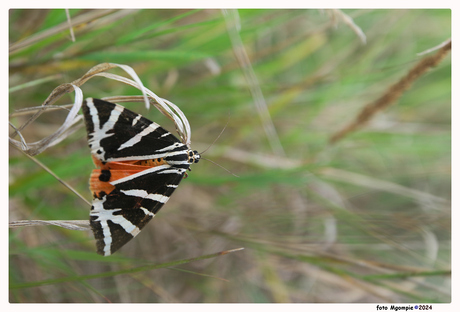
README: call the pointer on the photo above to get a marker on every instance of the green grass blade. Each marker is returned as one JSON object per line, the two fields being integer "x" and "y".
{"x": 120, "y": 272}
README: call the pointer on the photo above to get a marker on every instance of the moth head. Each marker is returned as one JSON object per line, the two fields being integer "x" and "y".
{"x": 193, "y": 157}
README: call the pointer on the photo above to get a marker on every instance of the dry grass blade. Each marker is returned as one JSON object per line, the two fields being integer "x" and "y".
{"x": 393, "y": 93}
{"x": 34, "y": 83}
{"x": 69, "y": 21}
{"x": 347, "y": 20}
{"x": 66, "y": 128}
{"x": 78, "y": 225}
{"x": 439, "y": 46}
{"x": 31, "y": 110}
{"x": 231, "y": 19}
{"x": 370, "y": 182}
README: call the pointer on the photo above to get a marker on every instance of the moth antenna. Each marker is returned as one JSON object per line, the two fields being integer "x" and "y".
{"x": 221, "y": 167}
{"x": 225, "y": 127}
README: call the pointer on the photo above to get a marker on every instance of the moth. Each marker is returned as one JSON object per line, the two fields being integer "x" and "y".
{"x": 138, "y": 166}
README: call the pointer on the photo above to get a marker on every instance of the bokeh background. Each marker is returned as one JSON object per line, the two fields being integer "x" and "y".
{"x": 365, "y": 219}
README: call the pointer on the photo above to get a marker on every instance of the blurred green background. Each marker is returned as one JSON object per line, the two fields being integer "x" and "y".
{"x": 367, "y": 219}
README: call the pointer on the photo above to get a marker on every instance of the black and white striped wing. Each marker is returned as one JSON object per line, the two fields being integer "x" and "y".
{"x": 118, "y": 134}
{"x": 119, "y": 216}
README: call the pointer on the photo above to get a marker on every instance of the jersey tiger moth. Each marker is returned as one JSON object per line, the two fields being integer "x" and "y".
{"x": 138, "y": 166}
